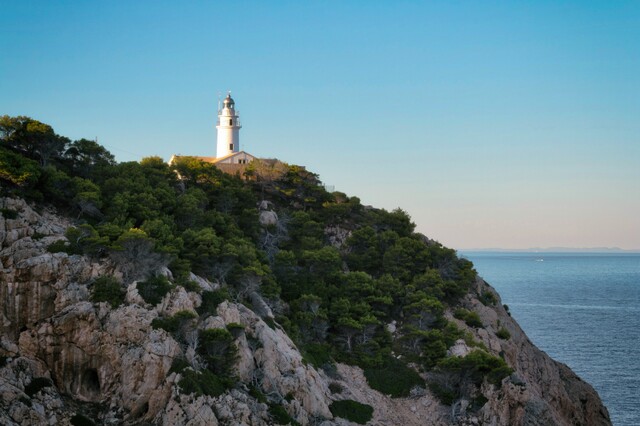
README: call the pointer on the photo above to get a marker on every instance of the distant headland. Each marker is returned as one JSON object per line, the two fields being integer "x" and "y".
{"x": 555, "y": 250}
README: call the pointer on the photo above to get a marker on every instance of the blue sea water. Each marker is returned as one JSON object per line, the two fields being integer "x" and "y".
{"x": 581, "y": 309}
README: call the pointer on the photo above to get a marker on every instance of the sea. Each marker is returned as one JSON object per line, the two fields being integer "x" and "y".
{"x": 583, "y": 309}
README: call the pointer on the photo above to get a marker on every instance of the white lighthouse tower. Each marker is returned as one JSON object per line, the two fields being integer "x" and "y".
{"x": 228, "y": 128}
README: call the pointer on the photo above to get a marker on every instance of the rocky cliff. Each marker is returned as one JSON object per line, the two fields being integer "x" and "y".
{"x": 67, "y": 360}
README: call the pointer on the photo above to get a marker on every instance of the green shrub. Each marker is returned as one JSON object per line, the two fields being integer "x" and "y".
{"x": 503, "y": 333}
{"x": 81, "y": 420}
{"x": 477, "y": 365}
{"x": 352, "y": 411}
{"x": 472, "y": 319}
{"x": 487, "y": 298}
{"x": 191, "y": 286}
{"x": 18, "y": 170}
{"x": 394, "y": 378}
{"x": 317, "y": 354}
{"x": 235, "y": 329}
{"x": 446, "y": 395}
{"x": 200, "y": 383}
{"x": 36, "y": 385}
{"x": 175, "y": 324}
{"x": 257, "y": 394}
{"x": 61, "y": 246}
{"x": 154, "y": 289}
{"x": 178, "y": 365}
{"x": 107, "y": 289}
{"x": 280, "y": 415}
{"x": 9, "y": 214}
{"x": 218, "y": 349}
{"x": 335, "y": 387}
{"x": 81, "y": 240}
{"x": 211, "y": 300}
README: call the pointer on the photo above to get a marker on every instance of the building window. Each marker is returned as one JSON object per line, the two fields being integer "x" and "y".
{"x": 230, "y": 122}
{"x": 231, "y": 146}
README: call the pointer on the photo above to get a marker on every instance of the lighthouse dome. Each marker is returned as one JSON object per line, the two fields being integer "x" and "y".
{"x": 228, "y": 102}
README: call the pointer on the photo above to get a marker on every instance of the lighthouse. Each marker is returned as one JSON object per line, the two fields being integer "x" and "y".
{"x": 228, "y": 157}
{"x": 228, "y": 128}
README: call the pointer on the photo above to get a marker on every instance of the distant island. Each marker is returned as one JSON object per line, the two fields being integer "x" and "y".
{"x": 554, "y": 250}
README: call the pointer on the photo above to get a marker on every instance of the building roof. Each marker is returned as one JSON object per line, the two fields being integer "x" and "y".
{"x": 233, "y": 154}
{"x": 212, "y": 160}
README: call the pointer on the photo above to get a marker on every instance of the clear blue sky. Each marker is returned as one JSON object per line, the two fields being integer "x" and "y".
{"x": 494, "y": 124}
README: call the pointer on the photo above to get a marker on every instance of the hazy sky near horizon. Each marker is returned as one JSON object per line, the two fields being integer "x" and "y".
{"x": 493, "y": 124}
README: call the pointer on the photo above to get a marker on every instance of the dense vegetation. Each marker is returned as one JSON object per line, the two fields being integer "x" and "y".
{"x": 352, "y": 411}
{"x": 333, "y": 297}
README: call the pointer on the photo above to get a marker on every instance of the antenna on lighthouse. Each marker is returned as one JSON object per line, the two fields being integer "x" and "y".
{"x": 219, "y": 96}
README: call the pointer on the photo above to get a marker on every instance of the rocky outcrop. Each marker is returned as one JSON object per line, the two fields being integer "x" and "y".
{"x": 94, "y": 354}
{"x": 541, "y": 391}
{"x": 62, "y": 355}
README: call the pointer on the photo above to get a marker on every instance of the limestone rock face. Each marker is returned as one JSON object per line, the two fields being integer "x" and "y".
{"x": 541, "y": 391}
{"x": 61, "y": 354}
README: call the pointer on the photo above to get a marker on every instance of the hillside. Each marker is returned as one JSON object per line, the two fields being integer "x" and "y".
{"x": 139, "y": 293}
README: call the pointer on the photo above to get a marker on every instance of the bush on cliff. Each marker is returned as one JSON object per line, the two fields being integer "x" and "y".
{"x": 107, "y": 289}
{"x": 154, "y": 289}
{"x": 352, "y": 411}
{"x": 394, "y": 378}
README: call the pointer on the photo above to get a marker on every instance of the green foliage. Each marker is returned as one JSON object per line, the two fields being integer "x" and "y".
{"x": 352, "y": 411}
{"x": 476, "y": 366}
{"x": 17, "y": 170}
{"x": 178, "y": 365}
{"x": 190, "y": 286}
{"x": 472, "y": 319}
{"x": 154, "y": 289}
{"x": 218, "y": 350}
{"x": 134, "y": 253}
{"x": 506, "y": 308}
{"x": 60, "y": 246}
{"x": 211, "y": 300}
{"x": 335, "y": 387}
{"x": 36, "y": 385}
{"x": 503, "y": 333}
{"x": 9, "y": 214}
{"x": 176, "y": 324}
{"x": 394, "y": 378}
{"x": 488, "y": 298}
{"x": 446, "y": 394}
{"x": 81, "y": 420}
{"x": 257, "y": 394}
{"x": 107, "y": 289}
{"x": 203, "y": 382}
{"x": 280, "y": 415}
{"x": 235, "y": 329}
{"x": 317, "y": 354}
